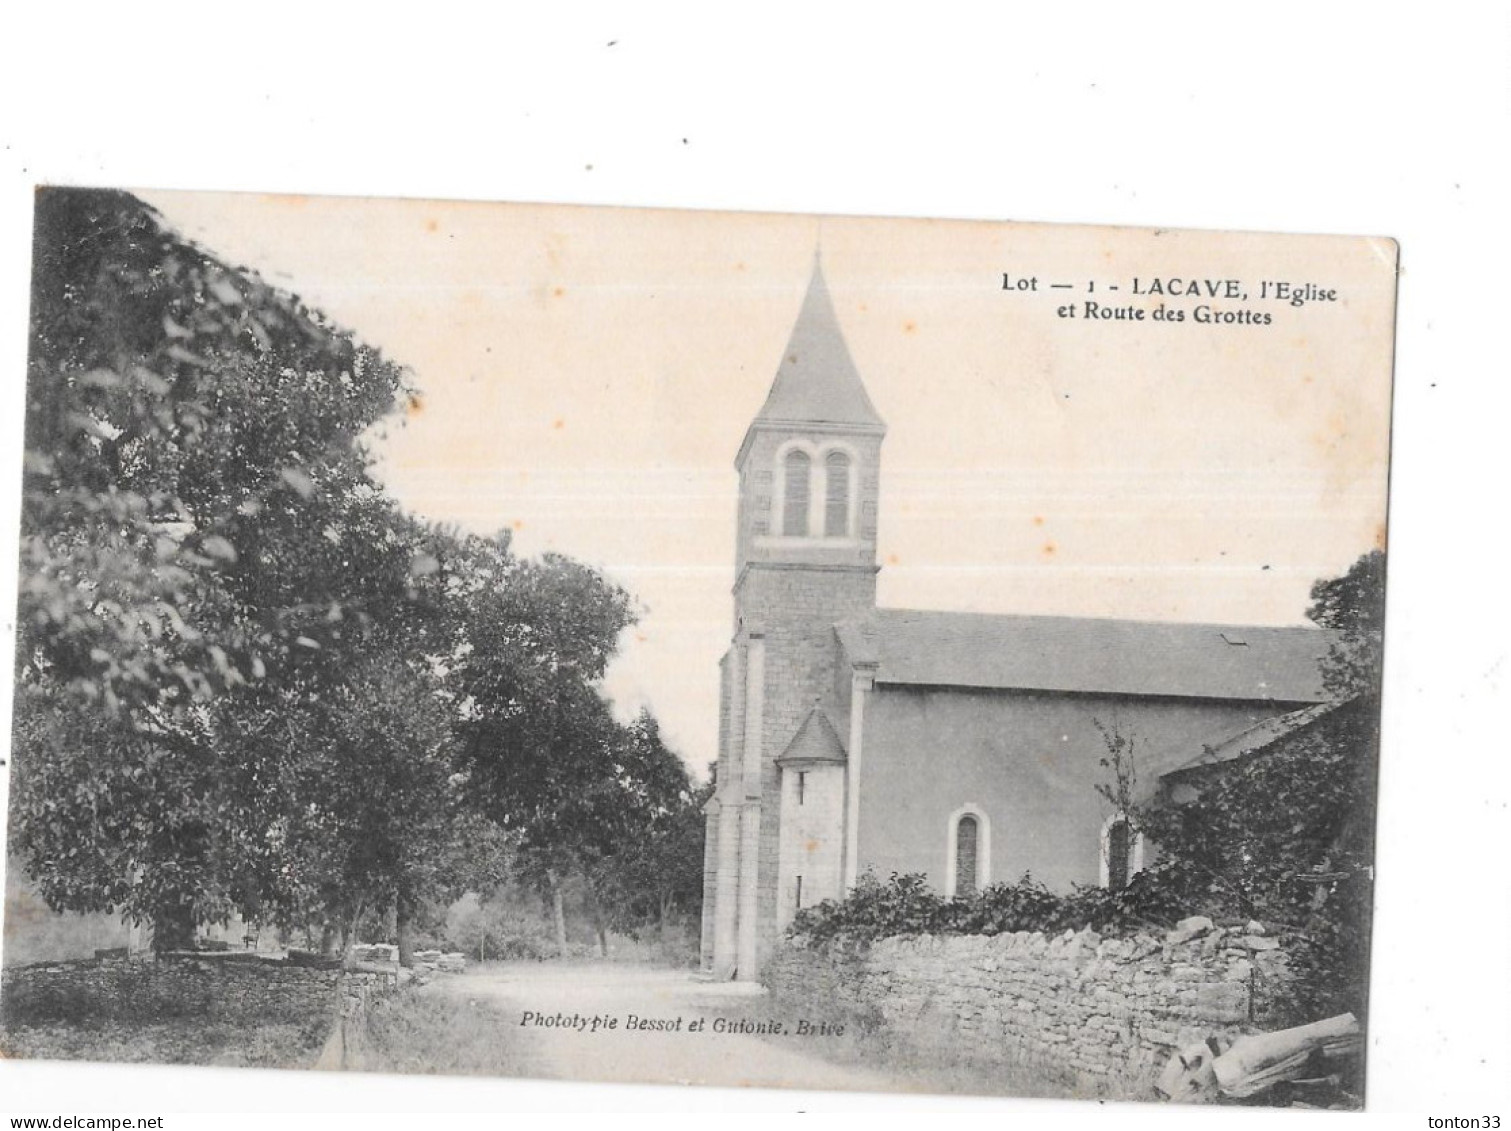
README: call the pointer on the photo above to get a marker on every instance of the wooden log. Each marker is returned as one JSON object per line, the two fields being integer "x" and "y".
{"x": 1263, "y": 1060}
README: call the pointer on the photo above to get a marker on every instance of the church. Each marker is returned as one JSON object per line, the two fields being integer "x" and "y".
{"x": 963, "y": 746}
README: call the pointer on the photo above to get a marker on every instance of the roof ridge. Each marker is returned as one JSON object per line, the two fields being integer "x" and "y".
{"x": 1071, "y": 617}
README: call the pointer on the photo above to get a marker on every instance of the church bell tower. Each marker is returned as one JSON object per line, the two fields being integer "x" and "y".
{"x": 808, "y": 479}
{"x": 805, "y": 558}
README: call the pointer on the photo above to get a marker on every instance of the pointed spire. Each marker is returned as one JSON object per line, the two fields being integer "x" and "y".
{"x": 816, "y": 380}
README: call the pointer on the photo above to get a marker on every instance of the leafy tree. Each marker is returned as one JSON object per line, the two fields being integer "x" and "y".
{"x": 655, "y": 874}
{"x": 539, "y": 748}
{"x": 115, "y": 819}
{"x": 197, "y": 522}
{"x": 1354, "y": 607}
{"x": 247, "y": 681}
{"x": 367, "y": 809}
{"x": 193, "y": 470}
{"x": 370, "y": 816}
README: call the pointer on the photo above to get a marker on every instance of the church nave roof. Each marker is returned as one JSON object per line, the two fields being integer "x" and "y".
{"x": 1090, "y": 655}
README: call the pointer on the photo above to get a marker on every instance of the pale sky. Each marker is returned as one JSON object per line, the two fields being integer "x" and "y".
{"x": 588, "y": 375}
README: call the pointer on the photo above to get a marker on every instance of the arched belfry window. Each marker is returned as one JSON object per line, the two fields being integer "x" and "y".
{"x": 797, "y": 470}
{"x": 968, "y": 856}
{"x": 836, "y": 495}
{"x": 1122, "y": 852}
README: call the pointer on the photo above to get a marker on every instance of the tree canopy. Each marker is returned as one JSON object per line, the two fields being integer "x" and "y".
{"x": 1354, "y": 606}
{"x": 247, "y": 681}
{"x": 196, "y": 501}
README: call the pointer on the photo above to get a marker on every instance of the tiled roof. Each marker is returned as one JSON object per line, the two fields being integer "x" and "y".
{"x": 1075, "y": 654}
{"x": 816, "y": 740}
{"x": 816, "y": 380}
{"x": 1262, "y": 735}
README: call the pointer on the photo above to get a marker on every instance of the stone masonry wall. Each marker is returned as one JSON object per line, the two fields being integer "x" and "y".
{"x": 1099, "y": 1016}
{"x": 145, "y": 989}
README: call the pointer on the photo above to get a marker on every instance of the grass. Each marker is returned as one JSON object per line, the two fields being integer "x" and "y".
{"x": 426, "y": 1031}
{"x": 184, "y": 1040}
{"x": 415, "y": 1031}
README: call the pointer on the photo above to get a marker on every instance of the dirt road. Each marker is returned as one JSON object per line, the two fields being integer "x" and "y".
{"x": 626, "y": 1023}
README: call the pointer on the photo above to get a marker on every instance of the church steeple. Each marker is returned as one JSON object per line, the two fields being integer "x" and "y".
{"x": 809, "y": 468}
{"x": 816, "y": 382}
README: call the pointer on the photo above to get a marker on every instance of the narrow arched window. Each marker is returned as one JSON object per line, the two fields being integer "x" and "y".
{"x": 967, "y": 841}
{"x": 797, "y": 470}
{"x": 968, "y": 852}
{"x": 836, "y": 495}
{"x": 1119, "y": 853}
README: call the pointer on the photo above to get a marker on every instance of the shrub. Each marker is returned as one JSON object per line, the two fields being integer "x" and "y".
{"x": 1003, "y": 908}
{"x": 905, "y": 905}
{"x": 520, "y": 946}
{"x": 1152, "y": 899}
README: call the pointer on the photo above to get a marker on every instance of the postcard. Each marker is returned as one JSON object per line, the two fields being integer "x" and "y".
{"x": 614, "y": 644}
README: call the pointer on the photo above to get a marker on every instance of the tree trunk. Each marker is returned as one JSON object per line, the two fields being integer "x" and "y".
{"x": 599, "y": 929}
{"x": 559, "y": 914}
{"x": 404, "y": 927}
{"x": 349, "y": 930}
{"x": 173, "y": 927}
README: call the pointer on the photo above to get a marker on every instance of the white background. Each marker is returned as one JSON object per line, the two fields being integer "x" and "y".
{"x": 1273, "y": 117}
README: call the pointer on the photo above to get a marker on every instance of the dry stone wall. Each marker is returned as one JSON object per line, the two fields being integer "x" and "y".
{"x": 230, "y": 988}
{"x": 1099, "y": 1016}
